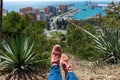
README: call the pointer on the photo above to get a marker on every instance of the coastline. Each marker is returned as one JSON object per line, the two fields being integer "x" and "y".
{"x": 78, "y": 5}
{"x": 69, "y": 14}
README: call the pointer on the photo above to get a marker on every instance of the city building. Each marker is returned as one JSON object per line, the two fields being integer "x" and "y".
{"x": 63, "y": 8}
{"x": 47, "y": 17}
{"x": 33, "y": 14}
{"x": 21, "y": 13}
{"x": 30, "y": 11}
{"x": 52, "y": 10}
{"x": 4, "y": 12}
{"x": 25, "y": 10}
{"x": 42, "y": 15}
{"x": 37, "y": 14}
{"x": 47, "y": 11}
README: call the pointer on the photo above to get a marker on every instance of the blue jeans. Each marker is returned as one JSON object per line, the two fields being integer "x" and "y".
{"x": 55, "y": 74}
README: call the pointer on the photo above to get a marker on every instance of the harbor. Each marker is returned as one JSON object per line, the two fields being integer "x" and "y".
{"x": 92, "y": 5}
{"x": 81, "y": 13}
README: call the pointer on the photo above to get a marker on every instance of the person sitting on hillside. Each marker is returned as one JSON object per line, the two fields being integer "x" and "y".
{"x": 56, "y": 58}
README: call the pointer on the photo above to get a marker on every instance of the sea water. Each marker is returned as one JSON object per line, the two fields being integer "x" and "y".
{"x": 82, "y": 14}
{"x": 86, "y": 12}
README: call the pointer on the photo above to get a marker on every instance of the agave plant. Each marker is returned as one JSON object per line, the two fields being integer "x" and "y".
{"x": 19, "y": 58}
{"x": 108, "y": 42}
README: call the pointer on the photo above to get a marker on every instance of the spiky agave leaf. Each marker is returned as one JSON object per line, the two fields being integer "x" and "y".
{"x": 85, "y": 31}
{"x": 18, "y": 57}
{"x": 107, "y": 41}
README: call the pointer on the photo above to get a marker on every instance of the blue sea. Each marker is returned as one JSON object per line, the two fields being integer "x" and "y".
{"x": 14, "y": 6}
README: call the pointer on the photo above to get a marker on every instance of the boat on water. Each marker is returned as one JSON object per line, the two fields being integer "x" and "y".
{"x": 84, "y": 9}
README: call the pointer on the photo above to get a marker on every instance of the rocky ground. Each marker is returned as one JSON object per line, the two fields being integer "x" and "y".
{"x": 85, "y": 70}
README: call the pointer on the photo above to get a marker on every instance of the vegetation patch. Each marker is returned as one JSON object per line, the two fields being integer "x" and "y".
{"x": 55, "y": 34}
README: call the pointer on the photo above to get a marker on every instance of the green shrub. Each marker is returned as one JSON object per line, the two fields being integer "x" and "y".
{"x": 19, "y": 57}
{"x": 109, "y": 43}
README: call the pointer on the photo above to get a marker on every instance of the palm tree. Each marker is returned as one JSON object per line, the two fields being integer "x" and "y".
{"x": 1, "y": 7}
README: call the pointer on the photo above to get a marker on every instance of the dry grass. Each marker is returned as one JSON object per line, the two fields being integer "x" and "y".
{"x": 85, "y": 70}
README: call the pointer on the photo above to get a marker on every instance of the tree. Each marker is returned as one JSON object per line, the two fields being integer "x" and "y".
{"x": 79, "y": 43}
{"x": 11, "y": 23}
{"x": 1, "y": 8}
{"x": 14, "y": 24}
{"x": 61, "y": 24}
{"x": 47, "y": 25}
{"x": 112, "y": 18}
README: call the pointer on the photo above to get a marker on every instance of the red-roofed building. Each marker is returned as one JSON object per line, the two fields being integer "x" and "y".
{"x": 63, "y": 8}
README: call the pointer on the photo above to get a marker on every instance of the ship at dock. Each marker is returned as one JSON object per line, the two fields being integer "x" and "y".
{"x": 93, "y": 6}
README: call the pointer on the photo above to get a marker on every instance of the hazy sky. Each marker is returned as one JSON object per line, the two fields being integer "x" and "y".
{"x": 61, "y": 0}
